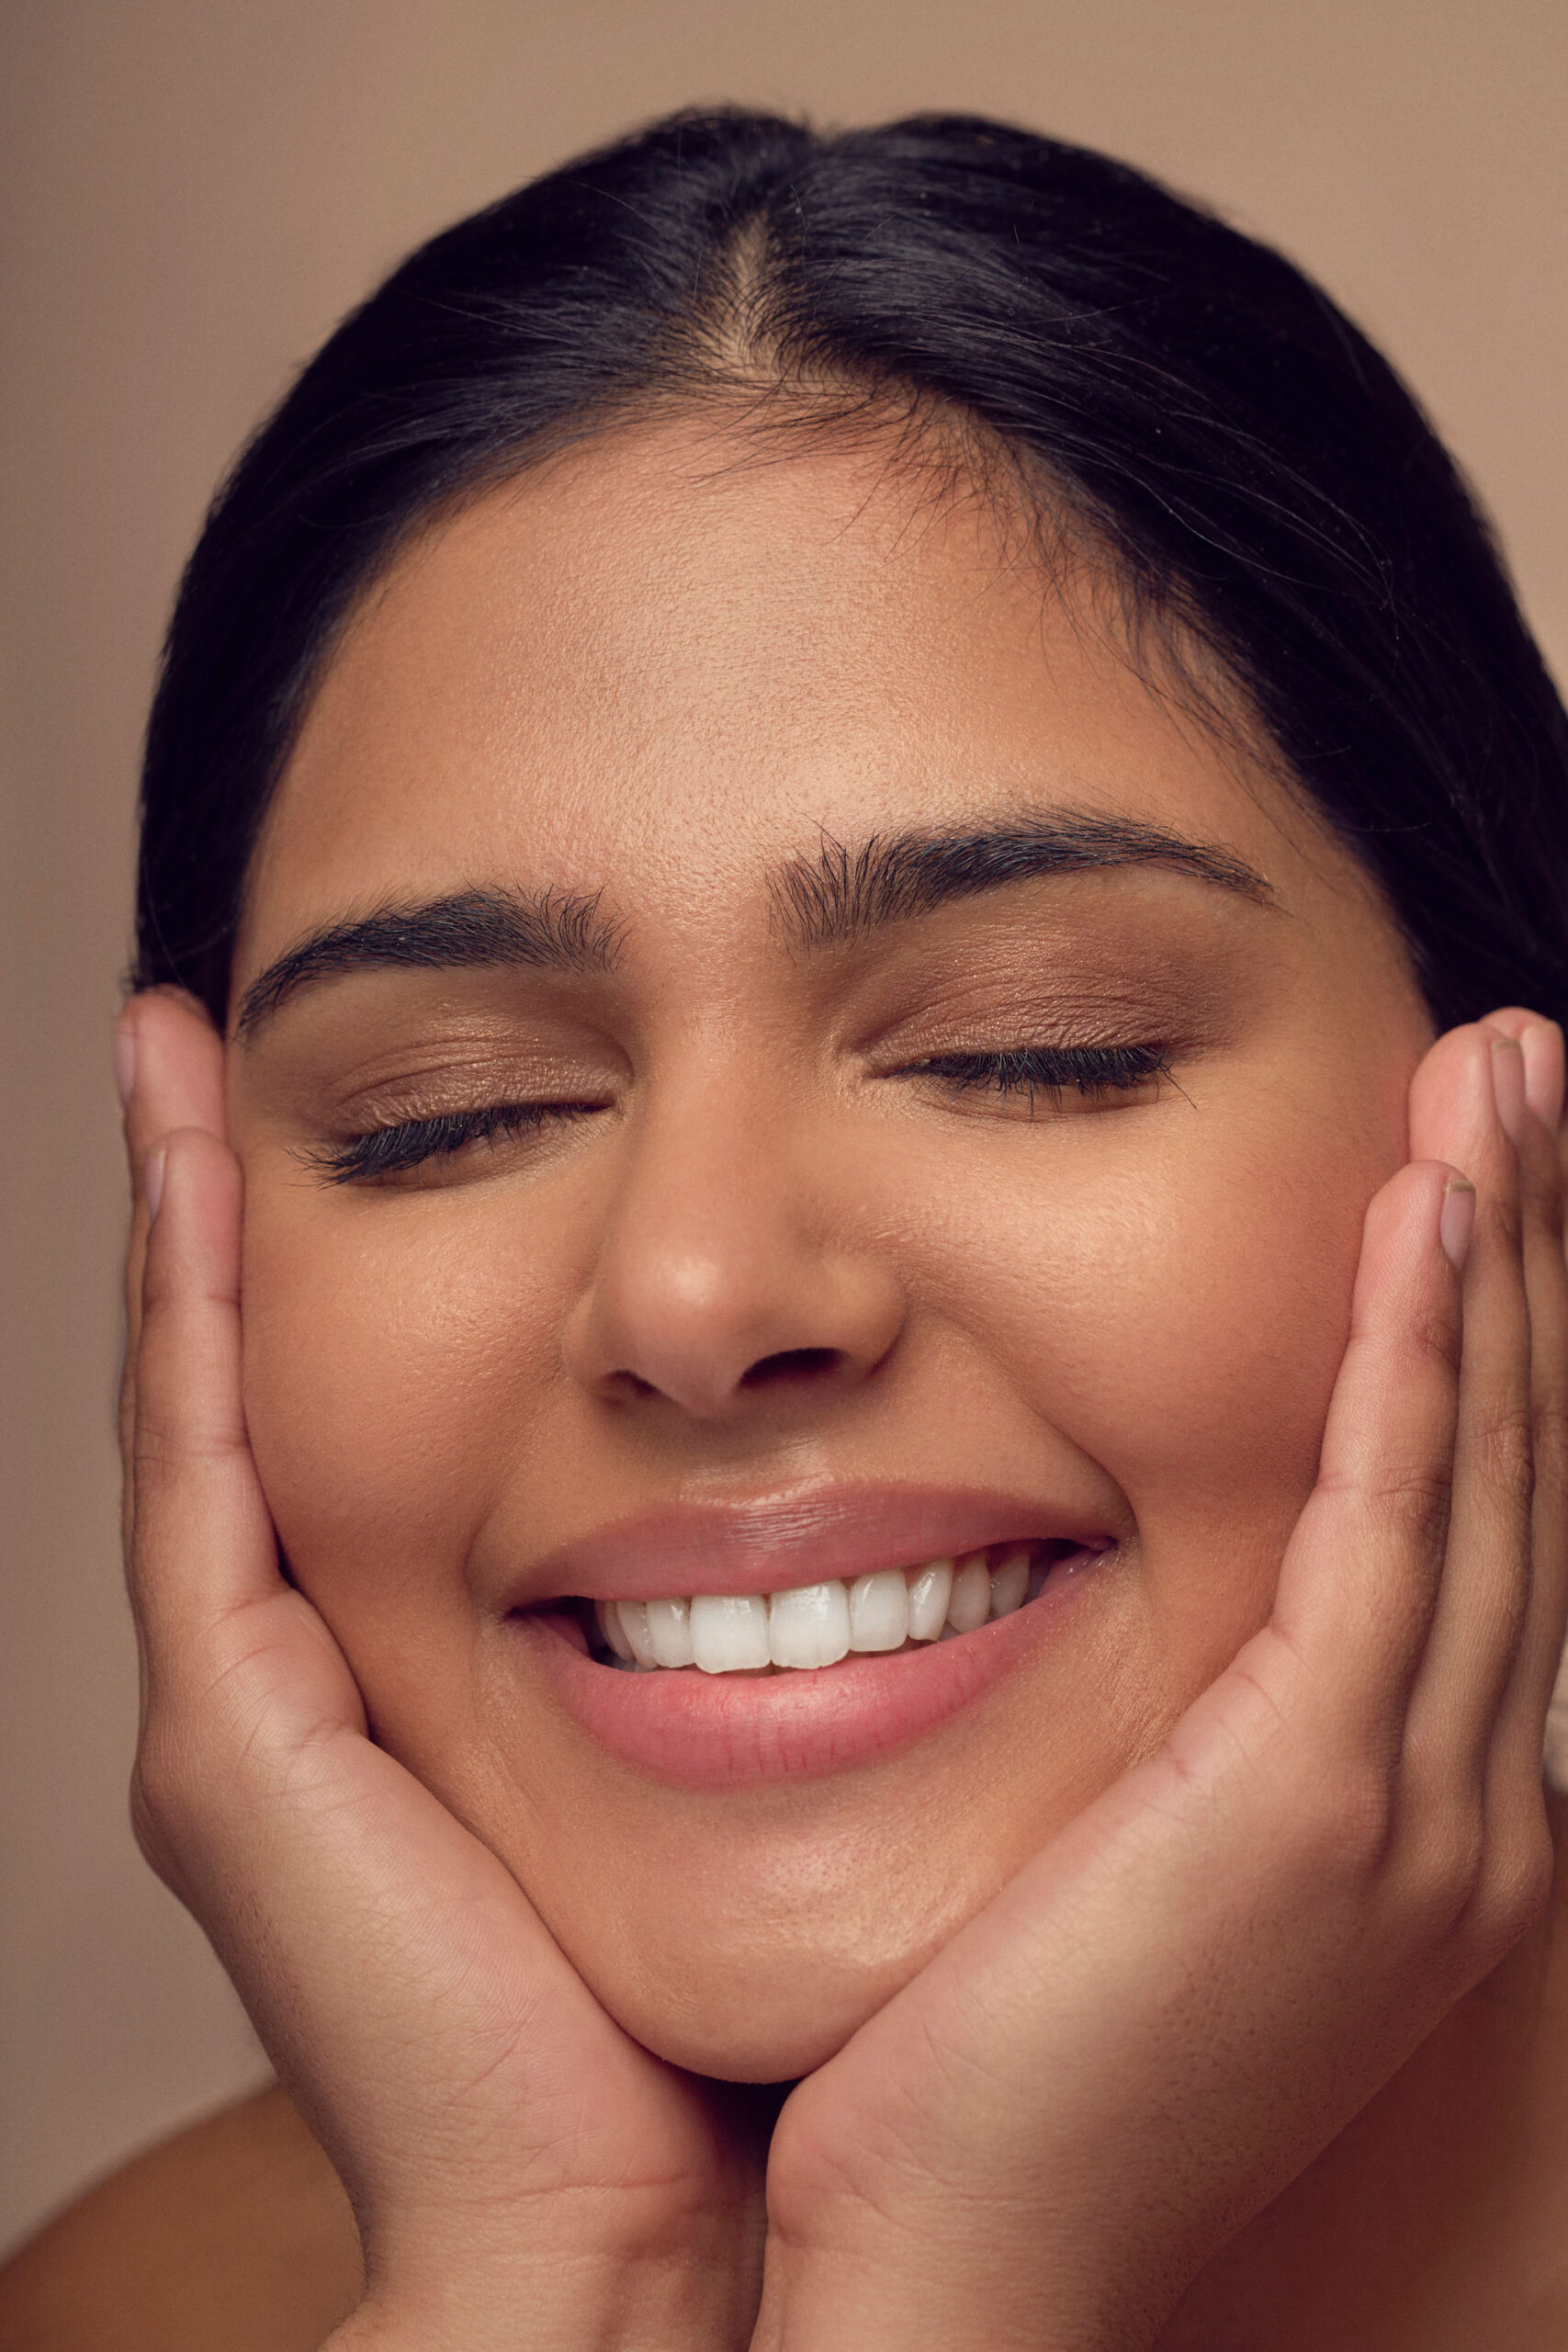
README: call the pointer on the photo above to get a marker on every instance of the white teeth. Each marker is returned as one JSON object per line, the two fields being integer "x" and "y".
{"x": 609, "y": 1618}
{"x": 879, "y": 1611}
{"x": 928, "y": 1601}
{"x": 809, "y": 1626}
{"x": 970, "y": 1603}
{"x": 730, "y": 1632}
{"x": 816, "y": 1625}
{"x": 1009, "y": 1583}
{"x": 634, "y": 1624}
{"x": 670, "y": 1632}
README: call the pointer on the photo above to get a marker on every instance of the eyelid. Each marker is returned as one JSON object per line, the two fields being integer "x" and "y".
{"x": 405, "y": 1144}
{"x": 406, "y": 1086}
{"x": 1041, "y": 991}
{"x": 401, "y": 1146}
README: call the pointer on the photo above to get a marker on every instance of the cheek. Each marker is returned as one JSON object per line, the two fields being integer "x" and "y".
{"x": 394, "y": 1357}
{"x": 1211, "y": 1325}
{"x": 1179, "y": 1312}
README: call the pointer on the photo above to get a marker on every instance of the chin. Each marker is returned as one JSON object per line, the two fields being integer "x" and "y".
{"x": 755, "y": 2022}
{"x": 758, "y": 1962}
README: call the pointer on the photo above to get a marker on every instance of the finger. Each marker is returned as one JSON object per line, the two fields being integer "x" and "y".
{"x": 1469, "y": 1092}
{"x": 169, "y": 1064}
{"x": 202, "y": 1542}
{"x": 169, "y": 1061}
{"x": 1521, "y": 1718}
{"x": 1360, "y": 1574}
{"x": 1540, "y": 1041}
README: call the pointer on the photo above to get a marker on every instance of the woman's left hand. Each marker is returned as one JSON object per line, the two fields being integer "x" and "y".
{"x": 1176, "y": 2005}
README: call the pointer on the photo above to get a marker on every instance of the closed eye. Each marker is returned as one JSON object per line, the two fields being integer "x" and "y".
{"x": 1019, "y": 1075}
{"x": 1052, "y": 1071}
{"x": 390, "y": 1151}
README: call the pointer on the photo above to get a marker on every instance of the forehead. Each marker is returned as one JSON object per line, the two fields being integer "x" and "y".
{"x": 664, "y": 662}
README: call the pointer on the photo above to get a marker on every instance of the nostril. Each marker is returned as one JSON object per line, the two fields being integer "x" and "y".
{"x": 789, "y": 1364}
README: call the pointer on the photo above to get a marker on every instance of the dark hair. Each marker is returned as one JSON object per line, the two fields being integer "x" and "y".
{"x": 1244, "y": 457}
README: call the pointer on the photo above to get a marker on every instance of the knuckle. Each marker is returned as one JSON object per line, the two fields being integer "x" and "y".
{"x": 157, "y": 1806}
{"x": 1503, "y": 1442}
{"x": 1411, "y": 1502}
{"x": 1505, "y": 1216}
{"x": 159, "y": 1778}
{"x": 1346, "y": 1824}
{"x": 1550, "y": 1440}
{"x": 1449, "y": 1869}
{"x": 1436, "y": 1334}
{"x": 166, "y": 1443}
{"x": 160, "y": 1452}
{"x": 1515, "y": 1887}
{"x": 154, "y": 1439}
{"x": 1472, "y": 1886}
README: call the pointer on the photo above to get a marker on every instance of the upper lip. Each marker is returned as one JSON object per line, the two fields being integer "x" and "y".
{"x": 781, "y": 1541}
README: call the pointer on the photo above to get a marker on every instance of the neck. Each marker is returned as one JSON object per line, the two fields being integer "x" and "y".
{"x": 1434, "y": 2222}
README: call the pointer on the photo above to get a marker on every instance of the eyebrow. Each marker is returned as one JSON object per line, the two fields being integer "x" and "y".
{"x": 545, "y": 930}
{"x": 846, "y": 891}
{"x": 841, "y": 895}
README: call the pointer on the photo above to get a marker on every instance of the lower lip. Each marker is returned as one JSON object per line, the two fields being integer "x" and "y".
{"x": 711, "y": 1730}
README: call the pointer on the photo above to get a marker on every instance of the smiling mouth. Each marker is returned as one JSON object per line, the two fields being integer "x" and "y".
{"x": 808, "y": 1627}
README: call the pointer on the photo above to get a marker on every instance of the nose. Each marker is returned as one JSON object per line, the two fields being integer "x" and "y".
{"x": 729, "y": 1279}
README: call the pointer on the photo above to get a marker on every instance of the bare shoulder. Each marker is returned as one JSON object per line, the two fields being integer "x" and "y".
{"x": 233, "y": 2236}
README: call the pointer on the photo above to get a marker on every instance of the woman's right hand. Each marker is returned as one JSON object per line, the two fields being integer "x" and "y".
{"x": 520, "y": 2170}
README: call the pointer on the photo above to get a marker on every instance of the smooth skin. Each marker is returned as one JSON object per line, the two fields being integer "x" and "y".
{"x": 1176, "y": 1911}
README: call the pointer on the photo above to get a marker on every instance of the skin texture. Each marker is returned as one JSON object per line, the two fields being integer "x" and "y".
{"x": 1119, "y": 1996}
{"x": 444, "y": 1385}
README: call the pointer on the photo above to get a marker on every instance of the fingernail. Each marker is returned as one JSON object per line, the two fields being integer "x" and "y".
{"x": 1457, "y": 1221}
{"x": 125, "y": 1061}
{"x": 153, "y": 1181}
{"x": 1541, "y": 1046}
{"x": 1508, "y": 1086}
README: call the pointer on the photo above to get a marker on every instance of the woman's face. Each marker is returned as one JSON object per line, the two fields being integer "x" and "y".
{"x": 780, "y": 801}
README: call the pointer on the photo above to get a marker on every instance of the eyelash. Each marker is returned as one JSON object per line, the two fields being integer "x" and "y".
{"x": 388, "y": 1152}
{"x": 1048, "y": 1070}
{"x": 1033, "y": 1071}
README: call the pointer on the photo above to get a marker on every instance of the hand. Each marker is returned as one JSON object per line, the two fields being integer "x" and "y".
{"x": 1182, "y": 1998}
{"x": 520, "y": 2170}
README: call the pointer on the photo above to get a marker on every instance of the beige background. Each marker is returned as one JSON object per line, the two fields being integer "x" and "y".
{"x": 200, "y": 188}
